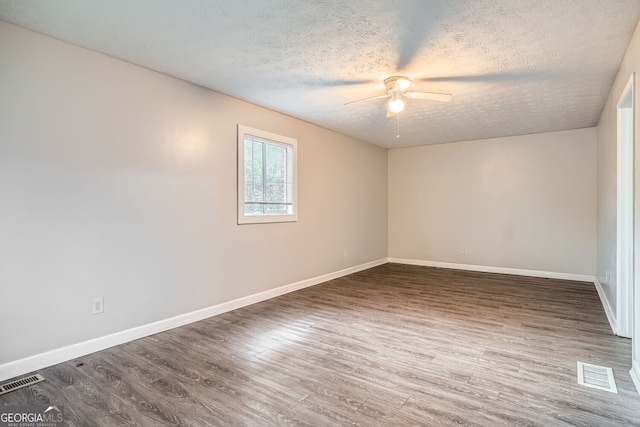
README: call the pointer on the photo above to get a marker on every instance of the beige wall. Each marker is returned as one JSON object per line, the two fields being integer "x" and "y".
{"x": 607, "y": 172}
{"x": 607, "y": 210}
{"x": 607, "y": 191}
{"x": 525, "y": 202}
{"x": 120, "y": 182}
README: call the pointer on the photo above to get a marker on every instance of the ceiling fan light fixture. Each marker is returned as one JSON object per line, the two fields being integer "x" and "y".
{"x": 396, "y": 105}
{"x": 397, "y": 90}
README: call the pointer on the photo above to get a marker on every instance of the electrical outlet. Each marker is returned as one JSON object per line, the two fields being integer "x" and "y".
{"x": 607, "y": 276}
{"x": 98, "y": 305}
{"x": 345, "y": 253}
{"x": 464, "y": 250}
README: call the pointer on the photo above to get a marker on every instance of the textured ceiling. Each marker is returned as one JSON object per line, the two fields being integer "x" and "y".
{"x": 513, "y": 66}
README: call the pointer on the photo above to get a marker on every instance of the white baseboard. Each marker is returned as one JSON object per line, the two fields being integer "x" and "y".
{"x": 611, "y": 317}
{"x": 43, "y": 360}
{"x": 500, "y": 270}
{"x": 635, "y": 375}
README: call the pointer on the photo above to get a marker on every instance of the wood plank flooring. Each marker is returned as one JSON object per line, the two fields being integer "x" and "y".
{"x": 395, "y": 345}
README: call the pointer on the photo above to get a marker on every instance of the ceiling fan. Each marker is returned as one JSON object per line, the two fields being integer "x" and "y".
{"x": 397, "y": 89}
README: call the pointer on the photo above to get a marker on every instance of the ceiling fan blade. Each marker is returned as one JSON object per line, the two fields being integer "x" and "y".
{"x": 432, "y": 96}
{"x": 501, "y": 77}
{"x": 320, "y": 82}
{"x": 368, "y": 99}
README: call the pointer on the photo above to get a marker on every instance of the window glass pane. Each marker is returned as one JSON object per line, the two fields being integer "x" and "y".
{"x": 253, "y": 176}
{"x": 275, "y": 173}
{"x": 266, "y": 182}
{"x": 275, "y": 209}
{"x": 267, "y": 177}
{"x": 289, "y": 185}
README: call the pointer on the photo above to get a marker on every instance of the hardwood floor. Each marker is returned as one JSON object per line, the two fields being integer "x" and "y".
{"x": 394, "y": 345}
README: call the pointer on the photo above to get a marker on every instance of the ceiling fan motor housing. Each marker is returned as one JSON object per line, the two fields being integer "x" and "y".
{"x": 397, "y": 84}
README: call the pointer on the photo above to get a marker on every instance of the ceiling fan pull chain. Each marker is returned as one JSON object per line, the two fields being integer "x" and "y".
{"x": 398, "y": 133}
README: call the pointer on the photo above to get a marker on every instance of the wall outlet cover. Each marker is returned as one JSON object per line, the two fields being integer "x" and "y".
{"x": 98, "y": 305}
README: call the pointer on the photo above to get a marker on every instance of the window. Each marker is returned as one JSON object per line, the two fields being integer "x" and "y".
{"x": 266, "y": 177}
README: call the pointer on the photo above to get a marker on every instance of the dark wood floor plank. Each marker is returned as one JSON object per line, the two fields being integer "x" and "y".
{"x": 393, "y": 345}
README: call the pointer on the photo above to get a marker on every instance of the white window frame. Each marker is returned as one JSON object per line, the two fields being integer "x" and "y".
{"x": 243, "y": 218}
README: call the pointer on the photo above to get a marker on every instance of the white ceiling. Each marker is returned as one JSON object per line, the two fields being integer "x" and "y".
{"x": 513, "y": 66}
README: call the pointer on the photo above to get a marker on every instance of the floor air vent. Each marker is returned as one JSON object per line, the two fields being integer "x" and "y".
{"x": 598, "y": 377}
{"x": 22, "y": 382}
